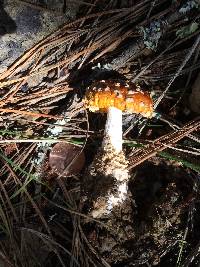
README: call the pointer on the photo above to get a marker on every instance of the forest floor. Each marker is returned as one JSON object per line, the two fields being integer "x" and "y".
{"x": 43, "y": 218}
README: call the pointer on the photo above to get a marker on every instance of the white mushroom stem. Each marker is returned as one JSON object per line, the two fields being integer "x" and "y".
{"x": 113, "y": 129}
{"x": 111, "y": 163}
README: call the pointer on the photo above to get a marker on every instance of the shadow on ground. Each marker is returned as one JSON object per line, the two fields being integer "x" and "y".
{"x": 7, "y": 24}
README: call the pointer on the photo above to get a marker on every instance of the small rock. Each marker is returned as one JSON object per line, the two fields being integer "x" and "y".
{"x": 66, "y": 159}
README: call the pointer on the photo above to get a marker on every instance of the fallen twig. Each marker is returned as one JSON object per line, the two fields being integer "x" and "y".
{"x": 162, "y": 143}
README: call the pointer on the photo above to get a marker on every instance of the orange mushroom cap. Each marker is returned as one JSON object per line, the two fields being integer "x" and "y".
{"x": 127, "y": 97}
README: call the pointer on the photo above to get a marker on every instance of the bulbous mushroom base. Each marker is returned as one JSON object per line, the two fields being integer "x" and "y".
{"x": 105, "y": 184}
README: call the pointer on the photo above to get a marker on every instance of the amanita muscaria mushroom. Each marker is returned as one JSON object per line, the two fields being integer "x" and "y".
{"x": 110, "y": 163}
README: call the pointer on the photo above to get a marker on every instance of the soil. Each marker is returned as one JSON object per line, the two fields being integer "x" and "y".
{"x": 152, "y": 219}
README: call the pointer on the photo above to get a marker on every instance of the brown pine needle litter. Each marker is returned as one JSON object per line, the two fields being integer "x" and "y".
{"x": 162, "y": 143}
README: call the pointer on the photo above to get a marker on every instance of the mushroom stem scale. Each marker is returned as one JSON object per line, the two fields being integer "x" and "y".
{"x": 109, "y": 170}
{"x": 113, "y": 129}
